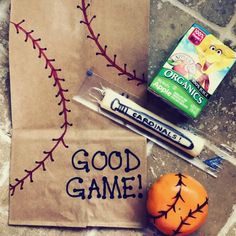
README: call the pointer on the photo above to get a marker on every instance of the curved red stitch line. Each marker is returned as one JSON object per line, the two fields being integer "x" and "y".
{"x": 103, "y": 50}
{"x": 63, "y": 102}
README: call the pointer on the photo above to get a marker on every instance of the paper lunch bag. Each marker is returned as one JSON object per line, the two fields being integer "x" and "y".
{"x": 52, "y": 44}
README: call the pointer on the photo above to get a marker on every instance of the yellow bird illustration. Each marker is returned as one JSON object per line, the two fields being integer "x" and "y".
{"x": 213, "y": 56}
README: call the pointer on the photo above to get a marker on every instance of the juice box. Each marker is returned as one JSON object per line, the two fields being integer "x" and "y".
{"x": 193, "y": 71}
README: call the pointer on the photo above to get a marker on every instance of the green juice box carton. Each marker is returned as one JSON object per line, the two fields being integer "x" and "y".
{"x": 193, "y": 71}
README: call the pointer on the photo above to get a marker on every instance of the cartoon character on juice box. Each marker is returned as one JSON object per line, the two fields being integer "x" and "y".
{"x": 206, "y": 62}
{"x": 214, "y": 57}
{"x": 182, "y": 64}
{"x": 181, "y": 67}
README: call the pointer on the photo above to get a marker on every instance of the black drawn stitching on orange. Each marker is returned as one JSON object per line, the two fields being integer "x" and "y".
{"x": 177, "y": 197}
{"x": 190, "y": 215}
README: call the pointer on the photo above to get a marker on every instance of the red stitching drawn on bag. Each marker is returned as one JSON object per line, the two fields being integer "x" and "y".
{"x": 103, "y": 50}
{"x": 63, "y": 103}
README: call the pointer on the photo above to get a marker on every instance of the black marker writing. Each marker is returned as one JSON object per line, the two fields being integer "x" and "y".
{"x": 153, "y": 124}
{"x": 103, "y": 187}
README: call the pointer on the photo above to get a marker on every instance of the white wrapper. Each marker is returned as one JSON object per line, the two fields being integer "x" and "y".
{"x": 132, "y": 112}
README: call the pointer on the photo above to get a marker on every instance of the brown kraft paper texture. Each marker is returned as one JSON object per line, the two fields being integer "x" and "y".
{"x": 52, "y": 44}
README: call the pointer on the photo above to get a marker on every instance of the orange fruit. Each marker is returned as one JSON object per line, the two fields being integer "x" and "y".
{"x": 177, "y": 204}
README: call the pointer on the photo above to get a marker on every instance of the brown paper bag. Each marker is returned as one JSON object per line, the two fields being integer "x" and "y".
{"x": 98, "y": 181}
{"x": 43, "y": 142}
